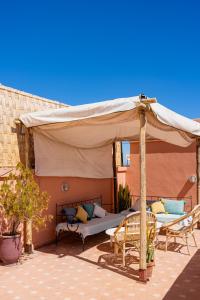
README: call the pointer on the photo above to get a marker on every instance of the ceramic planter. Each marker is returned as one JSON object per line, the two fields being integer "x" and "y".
{"x": 10, "y": 248}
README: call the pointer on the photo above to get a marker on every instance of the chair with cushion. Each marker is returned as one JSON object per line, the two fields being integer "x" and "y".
{"x": 166, "y": 209}
{"x": 127, "y": 234}
{"x": 182, "y": 227}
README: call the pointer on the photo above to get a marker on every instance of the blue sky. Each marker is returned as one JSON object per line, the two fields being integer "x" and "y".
{"x": 84, "y": 51}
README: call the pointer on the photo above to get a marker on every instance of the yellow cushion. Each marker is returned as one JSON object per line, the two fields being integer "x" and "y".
{"x": 157, "y": 207}
{"x": 81, "y": 214}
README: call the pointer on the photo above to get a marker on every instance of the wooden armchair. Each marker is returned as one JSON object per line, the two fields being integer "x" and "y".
{"x": 182, "y": 227}
{"x": 127, "y": 234}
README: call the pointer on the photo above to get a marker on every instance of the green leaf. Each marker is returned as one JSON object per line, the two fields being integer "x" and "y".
{"x": 21, "y": 199}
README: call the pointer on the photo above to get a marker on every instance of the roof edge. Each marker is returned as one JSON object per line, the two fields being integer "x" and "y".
{"x": 19, "y": 92}
{"x": 197, "y": 120}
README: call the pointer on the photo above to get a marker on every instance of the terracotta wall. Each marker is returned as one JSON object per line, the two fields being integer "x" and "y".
{"x": 121, "y": 175}
{"x": 168, "y": 170}
{"x": 79, "y": 189}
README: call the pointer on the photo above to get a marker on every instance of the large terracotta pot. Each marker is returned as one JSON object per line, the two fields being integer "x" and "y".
{"x": 10, "y": 248}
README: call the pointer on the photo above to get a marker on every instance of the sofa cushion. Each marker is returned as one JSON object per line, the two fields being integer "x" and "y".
{"x": 97, "y": 202}
{"x": 99, "y": 211}
{"x": 174, "y": 206}
{"x": 136, "y": 205}
{"x": 166, "y": 218}
{"x": 70, "y": 213}
{"x": 81, "y": 214}
{"x": 89, "y": 208}
{"x": 157, "y": 207}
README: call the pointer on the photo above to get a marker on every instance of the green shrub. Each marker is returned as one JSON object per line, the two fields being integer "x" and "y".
{"x": 21, "y": 200}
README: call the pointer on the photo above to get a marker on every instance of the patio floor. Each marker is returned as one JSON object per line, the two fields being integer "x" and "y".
{"x": 66, "y": 273}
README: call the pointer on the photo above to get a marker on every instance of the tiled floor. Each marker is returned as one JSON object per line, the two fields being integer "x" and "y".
{"x": 66, "y": 273}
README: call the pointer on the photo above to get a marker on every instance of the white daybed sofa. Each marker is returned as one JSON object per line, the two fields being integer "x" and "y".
{"x": 93, "y": 226}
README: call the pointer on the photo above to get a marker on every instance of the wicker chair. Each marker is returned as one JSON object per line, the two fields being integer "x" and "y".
{"x": 127, "y": 234}
{"x": 182, "y": 227}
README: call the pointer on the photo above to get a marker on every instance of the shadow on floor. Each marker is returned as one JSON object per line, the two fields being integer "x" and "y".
{"x": 187, "y": 285}
{"x": 114, "y": 264}
{"x": 175, "y": 247}
{"x": 71, "y": 246}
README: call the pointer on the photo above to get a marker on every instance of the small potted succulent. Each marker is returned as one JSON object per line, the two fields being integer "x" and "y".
{"x": 20, "y": 201}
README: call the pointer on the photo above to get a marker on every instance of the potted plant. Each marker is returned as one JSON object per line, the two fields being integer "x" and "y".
{"x": 150, "y": 250}
{"x": 20, "y": 200}
{"x": 124, "y": 198}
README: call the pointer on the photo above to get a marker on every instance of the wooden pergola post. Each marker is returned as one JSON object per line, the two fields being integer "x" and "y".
{"x": 143, "y": 238}
{"x": 115, "y": 179}
{"x": 28, "y": 245}
{"x": 198, "y": 173}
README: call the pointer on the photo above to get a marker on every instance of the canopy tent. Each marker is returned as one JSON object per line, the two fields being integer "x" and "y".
{"x": 77, "y": 138}
{"x": 77, "y": 141}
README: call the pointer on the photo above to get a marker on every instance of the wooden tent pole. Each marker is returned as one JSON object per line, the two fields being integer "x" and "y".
{"x": 115, "y": 178}
{"x": 28, "y": 247}
{"x": 198, "y": 173}
{"x": 27, "y": 146}
{"x": 143, "y": 239}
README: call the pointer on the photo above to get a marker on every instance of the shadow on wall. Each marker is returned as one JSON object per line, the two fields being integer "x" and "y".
{"x": 187, "y": 284}
{"x": 185, "y": 189}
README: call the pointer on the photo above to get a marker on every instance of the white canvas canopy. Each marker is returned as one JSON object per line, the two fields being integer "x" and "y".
{"x": 77, "y": 141}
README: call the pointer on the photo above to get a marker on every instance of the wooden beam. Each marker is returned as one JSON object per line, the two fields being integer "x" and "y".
{"x": 149, "y": 100}
{"x": 198, "y": 173}
{"x": 115, "y": 179}
{"x": 118, "y": 150}
{"x": 17, "y": 121}
{"x": 28, "y": 244}
{"x": 143, "y": 239}
{"x": 198, "y": 169}
{"x": 27, "y": 147}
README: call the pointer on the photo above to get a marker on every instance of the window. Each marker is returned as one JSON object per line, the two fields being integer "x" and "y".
{"x": 126, "y": 154}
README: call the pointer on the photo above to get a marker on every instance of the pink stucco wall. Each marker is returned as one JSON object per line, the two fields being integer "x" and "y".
{"x": 79, "y": 189}
{"x": 121, "y": 175}
{"x": 168, "y": 170}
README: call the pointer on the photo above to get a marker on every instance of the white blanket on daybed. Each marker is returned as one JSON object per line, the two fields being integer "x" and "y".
{"x": 93, "y": 226}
